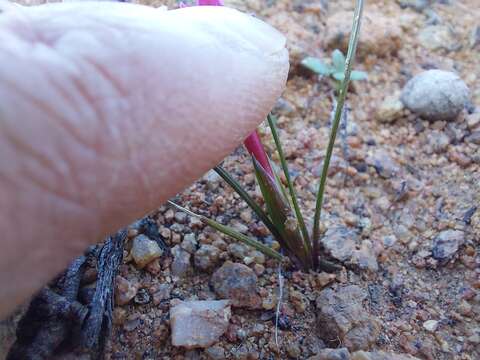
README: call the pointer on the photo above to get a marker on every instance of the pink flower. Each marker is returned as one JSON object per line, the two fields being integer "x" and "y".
{"x": 255, "y": 148}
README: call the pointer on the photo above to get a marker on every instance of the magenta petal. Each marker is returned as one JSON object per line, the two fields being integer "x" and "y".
{"x": 255, "y": 148}
{"x": 210, "y": 2}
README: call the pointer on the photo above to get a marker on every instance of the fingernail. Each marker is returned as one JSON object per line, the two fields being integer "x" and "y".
{"x": 249, "y": 32}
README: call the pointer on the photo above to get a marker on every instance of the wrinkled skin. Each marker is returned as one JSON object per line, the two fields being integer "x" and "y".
{"x": 109, "y": 109}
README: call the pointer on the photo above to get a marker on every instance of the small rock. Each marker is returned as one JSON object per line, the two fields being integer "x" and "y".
{"x": 438, "y": 141}
{"x": 473, "y": 120}
{"x": 417, "y": 5}
{"x": 258, "y": 257}
{"x": 259, "y": 269}
{"x": 241, "y": 334}
{"x": 144, "y": 251}
{"x": 446, "y": 244}
{"x": 237, "y": 250}
{"x": 248, "y": 260}
{"x": 237, "y": 225}
{"x": 436, "y": 95}
{"x": 180, "y": 217}
{"x": 343, "y": 319}
{"x": 474, "y": 339}
{"x": 435, "y": 37}
{"x": 124, "y": 290}
{"x": 323, "y": 279}
{"x": 389, "y": 240}
{"x": 143, "y": 297}
{"x": 206, "y": 257}
{"x": 390, "y": 110}
{"x": 293, "y": 350}
{"x": 430, "y": 325}
{"x": 246, "y": 215}
{"x": 474, "y": 138}
{"x": 215, "y": 352}
{"x": 475, "y": 37}
{"x": 365, "y": 257}
{"x": 238, "y": 283}
{"x": 464, "y": 308}
{"x": 189, "y": 243}
{"x": 195, "y": 223}
{"x": 381, "y": 34}
{"x": 119, "y": 315}
{"x": 219, "y": 243}
{"x": 161, "y": 331}
{"x": 269, "y": 302}
{"x": 339, "y": 242}
{"x": 177, "y": 228}
{"x": 332, "y": 354}
{"x": 380, "y": 355}
{"x": 385, "y": 166}
{"x": 153, "y": 267}
{"x": 212, "y": 179}
{"x": 460, "y": 158}
{"x": 199, "y": 324}
{"x": 132, "y": 322}
{"x": 169, "y": 215}
{"x": 162, "y": 292}
{"x": 298, "y": 301}
{"x": 181, "y": 261}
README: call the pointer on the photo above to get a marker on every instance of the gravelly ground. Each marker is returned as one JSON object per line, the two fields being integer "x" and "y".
{"x": 396, "y": 184}
{"x": 431, "y": 189}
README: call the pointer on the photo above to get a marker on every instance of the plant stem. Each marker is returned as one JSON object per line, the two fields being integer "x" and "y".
{"x": 232, "y": 233}
{"x": 352, "y": 47}
{"x": 248, "y": 199}
{"x": 293, "y": 195}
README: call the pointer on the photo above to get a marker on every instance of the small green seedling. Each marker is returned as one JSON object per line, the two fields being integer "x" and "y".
{"x": 335, "y": 70}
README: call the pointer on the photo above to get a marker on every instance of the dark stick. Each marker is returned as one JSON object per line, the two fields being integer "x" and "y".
{"x": 98, "y": 322}
{"x": 48, "y": 319}
{"x": 56, "y": 322}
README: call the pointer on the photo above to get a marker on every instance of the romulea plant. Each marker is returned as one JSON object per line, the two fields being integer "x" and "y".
{"x": 283, "y": 216}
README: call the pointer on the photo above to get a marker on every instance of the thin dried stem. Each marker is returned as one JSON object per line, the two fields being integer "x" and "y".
{"x": 279, "y": 303}
{"x": 232, "y": 233}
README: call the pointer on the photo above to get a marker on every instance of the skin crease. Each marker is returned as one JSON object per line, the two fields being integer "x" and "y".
{"x": 109, "y": 109}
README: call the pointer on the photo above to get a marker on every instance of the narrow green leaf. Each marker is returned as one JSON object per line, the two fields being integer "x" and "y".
{"x": 316, "y": 65}
{"x": 338, "y": 60}
{"x": 248, "y": 199}
{"x": 358, "y": 75}
{"x": 293, "y": 195}
{"x": 233, "y": 233}
{"x": 352, "y": 47}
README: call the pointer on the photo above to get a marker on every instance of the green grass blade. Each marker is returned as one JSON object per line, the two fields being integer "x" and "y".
{"x": 233, "y": 233}
{"x": 352, "y": 47}
{"x": 248, "y": 199}
{"x": 291, "y": 189}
